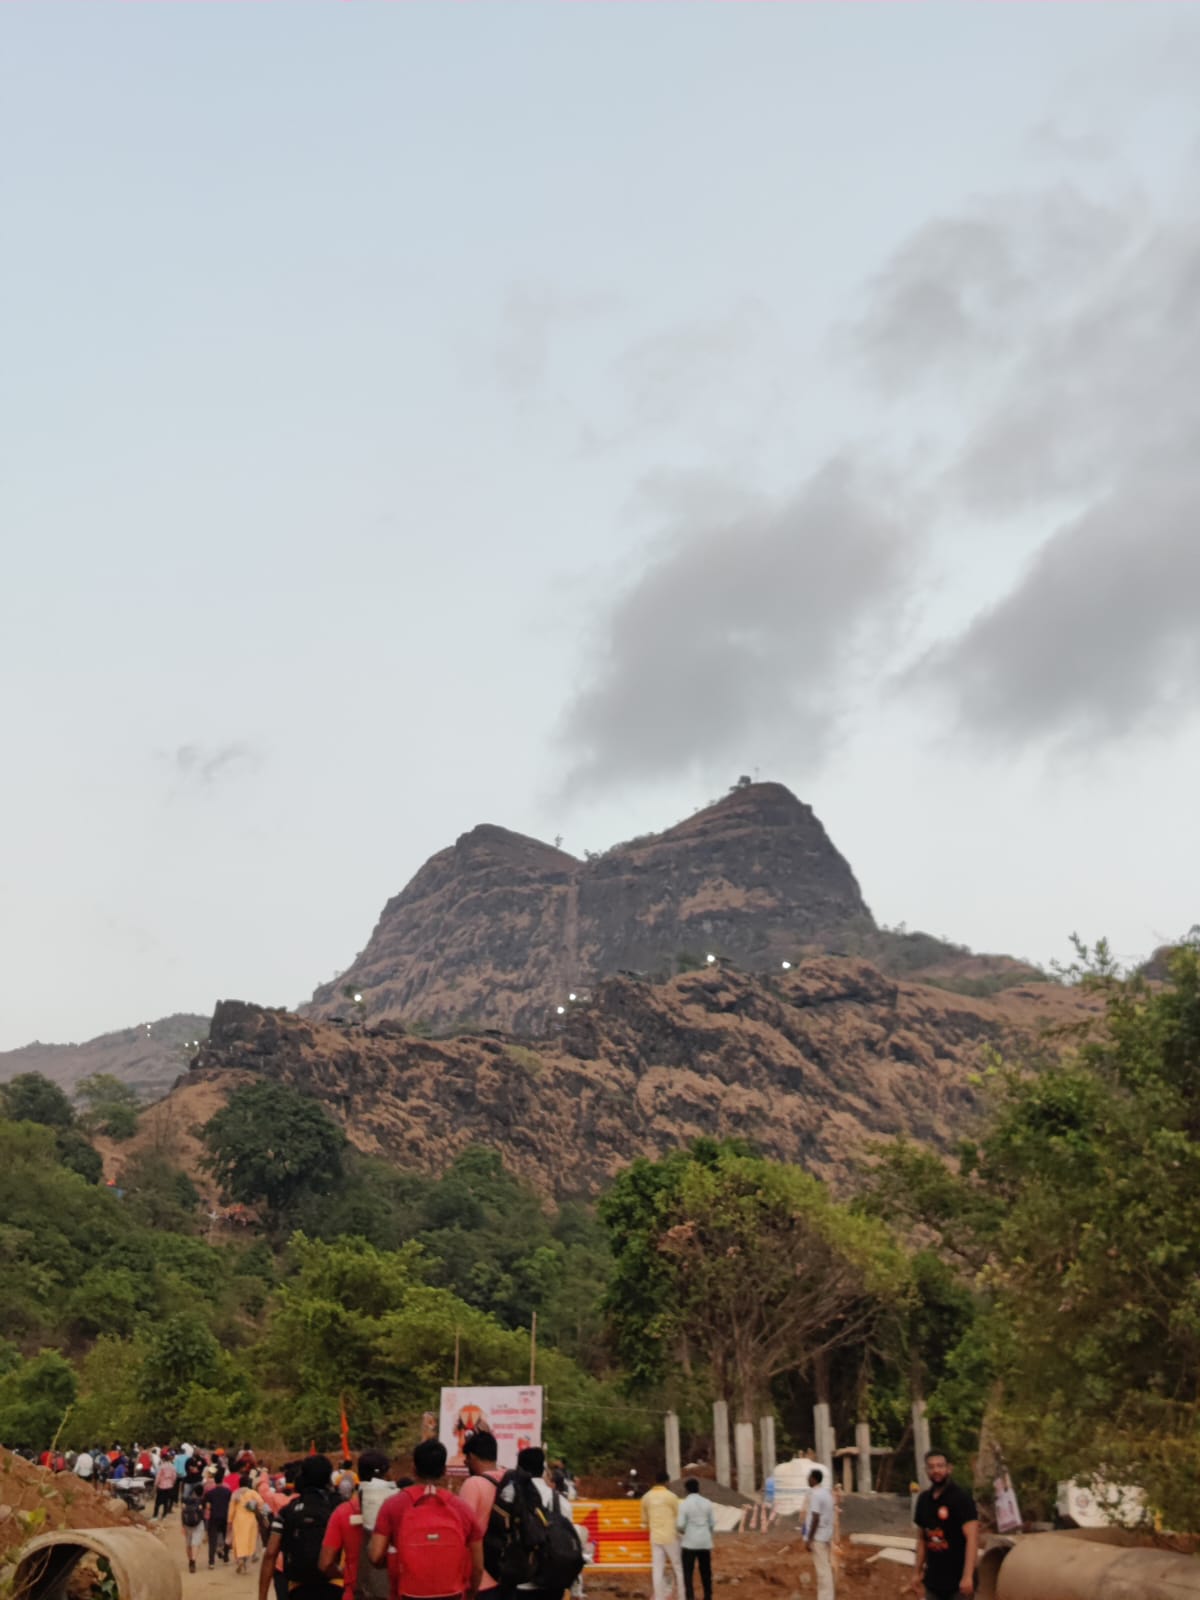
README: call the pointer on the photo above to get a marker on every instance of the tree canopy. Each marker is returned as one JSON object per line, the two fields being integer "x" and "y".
{"x": 269, "y": 1145}
{"x": 745, "y": 1264}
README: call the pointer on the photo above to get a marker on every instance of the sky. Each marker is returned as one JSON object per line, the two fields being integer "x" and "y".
{"x": 413, "y": 416}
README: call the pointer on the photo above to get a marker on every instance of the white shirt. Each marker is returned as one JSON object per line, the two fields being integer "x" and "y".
{"x": 84, "y": 1465}
{"x": 820, "y": 1504}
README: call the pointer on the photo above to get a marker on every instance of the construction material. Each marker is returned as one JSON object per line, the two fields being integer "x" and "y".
{"x": 1074, "y": 1566}
{"x": 142, "y": 1567}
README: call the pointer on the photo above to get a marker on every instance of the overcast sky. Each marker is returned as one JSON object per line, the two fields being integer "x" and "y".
{"x": 415, "y": 416}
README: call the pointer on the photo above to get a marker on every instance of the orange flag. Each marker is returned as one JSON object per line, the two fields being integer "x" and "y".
{"x": 345, "y": 1433}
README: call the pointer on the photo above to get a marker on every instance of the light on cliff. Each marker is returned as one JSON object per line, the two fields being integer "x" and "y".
{"x": 571, "y": 996}
{"x": 358, "y": 999}
{"x": 561, "y": 1010}
{"x": 787, "y": 966}
{"x": 710, "y": 959}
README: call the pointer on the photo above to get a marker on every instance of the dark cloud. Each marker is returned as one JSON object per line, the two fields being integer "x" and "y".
{"x": 1102, "y": 635}
{"x": 1074, "y": 335}
{"x": 748, "y": 622}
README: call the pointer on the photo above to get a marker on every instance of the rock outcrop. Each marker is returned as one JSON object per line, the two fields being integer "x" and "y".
{"x": 808, "y": 1064}
{"x": 499, "y": 929}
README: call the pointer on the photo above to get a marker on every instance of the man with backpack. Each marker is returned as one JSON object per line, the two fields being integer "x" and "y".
{"x": 297, "y": 1534}
{"x": 478, "y": 1494}
{"x": 437, "y": 1542}
{"x": 352, "y": 1523}
{"x": 533, "y": 1547}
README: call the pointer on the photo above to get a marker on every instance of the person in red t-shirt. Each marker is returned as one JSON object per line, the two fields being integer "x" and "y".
{"x": 344, "y": 1530}
{"x": 446, "y": 1561}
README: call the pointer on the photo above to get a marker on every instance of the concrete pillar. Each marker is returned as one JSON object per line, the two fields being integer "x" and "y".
{"x": 674, "y": 1459}
{"x": 920, "y": 1441}
{"x": 743, "y": 1435}
{"x": 862, "y": 1442}
{"x": 766, "y": 1434}
{"x": 823, "y": 1438}
{"x": 721, "y": 1464}
{"x": 848, "y": 1473}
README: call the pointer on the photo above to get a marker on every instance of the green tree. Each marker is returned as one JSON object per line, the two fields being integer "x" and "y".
{"x": 30, "y": 1097}
{"x": 746, "y": 1263}
{"x": 110, "y": 1106}
{"x": 79, "y": 1154}
{"x": 1077, "y": 1215}
{"x": 35, "y": 1397}
{"x": 269, "y": 1145}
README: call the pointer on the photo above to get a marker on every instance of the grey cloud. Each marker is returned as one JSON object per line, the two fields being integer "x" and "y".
{"x": 1081, "y": 338}
{"x": 1100, "y": 637}
{"x": 747, "y": 627}
{"x": 201, "y": 765}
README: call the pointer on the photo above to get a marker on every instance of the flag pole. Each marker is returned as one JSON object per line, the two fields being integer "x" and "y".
{"x": 533, "y": 1350}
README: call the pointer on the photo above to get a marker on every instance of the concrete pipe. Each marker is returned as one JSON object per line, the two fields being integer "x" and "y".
{"x": 1064, "y": 1566}
{"x": 140, "y": 1564}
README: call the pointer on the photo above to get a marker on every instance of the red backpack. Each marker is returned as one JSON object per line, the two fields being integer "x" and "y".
{"x": 431, "y": 1544}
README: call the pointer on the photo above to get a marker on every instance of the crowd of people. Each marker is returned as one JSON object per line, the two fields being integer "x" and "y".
{"x": 323, "y": 1532}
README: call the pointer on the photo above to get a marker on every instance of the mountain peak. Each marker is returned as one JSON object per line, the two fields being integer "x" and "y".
{"x": 500, "y": 928}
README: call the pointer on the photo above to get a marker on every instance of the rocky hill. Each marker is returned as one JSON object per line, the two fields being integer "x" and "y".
{"x": 499, "y": 929}
{"x": 808, "y": 1063}
{"x": 149, "y": 1057}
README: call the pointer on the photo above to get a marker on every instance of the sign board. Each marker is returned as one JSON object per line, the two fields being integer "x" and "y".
{"x": 514, "y": 1416}
{"x": 1008, "y": 1512}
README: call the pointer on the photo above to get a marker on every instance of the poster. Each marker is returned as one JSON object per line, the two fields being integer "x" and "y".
{"x": 1008, "y": 1513}
{"x": 514, "y": 1416}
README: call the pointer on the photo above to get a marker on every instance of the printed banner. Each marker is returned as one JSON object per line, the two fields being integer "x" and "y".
{"x": 514, "y": 1416}
{"x": 613, "y": 1533}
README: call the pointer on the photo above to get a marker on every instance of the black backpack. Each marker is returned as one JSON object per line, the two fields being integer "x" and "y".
{"x": 526, "y": 1544}
{"x": 192, "y": 1510}
{"x": 304, "y": 1524}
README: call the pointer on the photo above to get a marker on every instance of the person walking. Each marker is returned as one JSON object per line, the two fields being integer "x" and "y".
{"x": 478, "y": 1494}
{"x": 696, "y": 1523}
{"x": 244, "y": 1508}
{"x": 165, "y": 1482}
{"x": 216, "y": 1515}
{"x": 438, "y": 1543}
{"x": 352, "y": 1523}
{"x": 191, "y": 1515}
{"x": 298, "y": 1534}
{"x": 947, "y": 1534}
{"x": 660, "y": 1514}
{"x": 818, "y": 1532}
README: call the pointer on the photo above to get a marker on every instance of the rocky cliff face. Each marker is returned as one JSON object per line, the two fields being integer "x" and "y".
{"x": 809, "y": 1064}
{"x": 500, "y": 929}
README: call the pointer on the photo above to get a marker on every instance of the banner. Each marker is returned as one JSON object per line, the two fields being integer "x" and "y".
{"x": 514, "y": 1416}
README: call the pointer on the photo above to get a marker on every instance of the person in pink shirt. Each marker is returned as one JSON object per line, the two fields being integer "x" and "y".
{"x": 478, "y": 1493}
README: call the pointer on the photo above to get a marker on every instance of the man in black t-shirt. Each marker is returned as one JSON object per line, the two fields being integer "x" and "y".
{"x": 947, "y": 1535}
